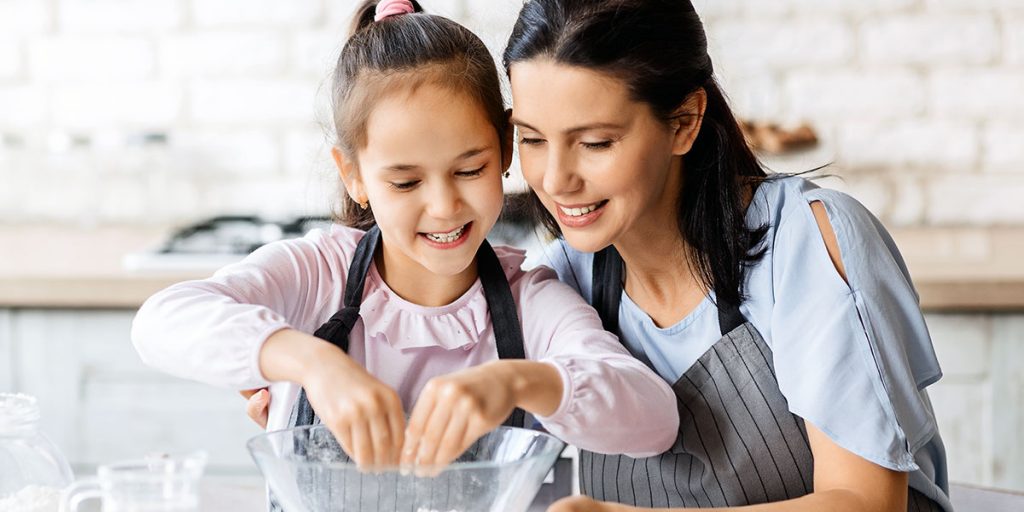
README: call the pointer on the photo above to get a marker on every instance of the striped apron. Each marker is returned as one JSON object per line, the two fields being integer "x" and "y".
{"x": 738, "y": 443}
{"x": 507, "y": 332}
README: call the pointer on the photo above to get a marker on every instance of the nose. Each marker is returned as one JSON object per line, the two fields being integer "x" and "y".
{"x": 560, "y": 177}
{"x": 444, "y": 201}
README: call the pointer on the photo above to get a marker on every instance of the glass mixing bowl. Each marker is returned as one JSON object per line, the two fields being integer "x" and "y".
{"x": 308, "y": 472}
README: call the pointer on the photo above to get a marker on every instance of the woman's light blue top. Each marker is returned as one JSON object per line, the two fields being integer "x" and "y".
{"x": 852, "y": 357}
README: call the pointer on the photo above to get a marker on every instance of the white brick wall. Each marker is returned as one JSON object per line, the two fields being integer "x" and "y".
{"x": 916, "y": 101}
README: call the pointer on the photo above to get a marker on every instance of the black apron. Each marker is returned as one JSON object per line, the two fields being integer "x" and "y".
{"x": 500, "y": 303}
{"x": 738, "y": 443}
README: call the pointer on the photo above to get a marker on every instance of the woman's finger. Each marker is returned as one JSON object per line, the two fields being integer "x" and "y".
{"x": 258, "y": 406}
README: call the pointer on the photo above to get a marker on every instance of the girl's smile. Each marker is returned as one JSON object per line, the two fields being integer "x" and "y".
{"x": 448, "y": 239}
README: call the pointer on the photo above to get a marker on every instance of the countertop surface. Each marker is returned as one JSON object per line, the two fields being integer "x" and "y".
{"x": 954, "y": 269}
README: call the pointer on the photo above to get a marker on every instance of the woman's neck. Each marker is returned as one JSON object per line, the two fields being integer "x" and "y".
{"x": 418, "y": 285}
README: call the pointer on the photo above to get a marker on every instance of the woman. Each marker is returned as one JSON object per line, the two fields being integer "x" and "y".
{"x": 782, "y": 312}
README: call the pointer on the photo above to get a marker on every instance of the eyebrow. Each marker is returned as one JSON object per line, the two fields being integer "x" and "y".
{"x": 411, "y": 167}
{"x": 575, "y": 129}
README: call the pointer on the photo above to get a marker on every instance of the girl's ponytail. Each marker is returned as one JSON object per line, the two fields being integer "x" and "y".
{"x": 366, "y": 13}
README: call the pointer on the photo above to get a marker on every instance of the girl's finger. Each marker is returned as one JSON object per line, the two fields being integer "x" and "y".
{"x": 436, "y": 429}
{"x": 417, "y": 424}
{"x": 381, "y": 440}
{"x": 362, "y": 445}
{"x": 453, "y": 443}
{"x": 396, "y": 422}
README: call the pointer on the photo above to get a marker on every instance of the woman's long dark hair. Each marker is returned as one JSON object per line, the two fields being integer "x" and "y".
{"x": 658, "y": 48}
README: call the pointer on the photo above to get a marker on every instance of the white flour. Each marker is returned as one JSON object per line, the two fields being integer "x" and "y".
{"x": 32, "y": 499}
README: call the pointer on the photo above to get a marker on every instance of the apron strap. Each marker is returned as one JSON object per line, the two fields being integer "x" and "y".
{"x": 508, "y": 333}
{"x": 607, "y": 294}
{"x": 607, "y": 287}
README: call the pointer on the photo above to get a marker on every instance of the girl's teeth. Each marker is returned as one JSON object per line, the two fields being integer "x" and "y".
{"x": 446, "y": 237}
{"x": 576, "y": 212}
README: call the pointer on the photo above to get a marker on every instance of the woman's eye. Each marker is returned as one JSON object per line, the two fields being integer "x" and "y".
{"x": 597, "y": 145}
{"x": 470, "y": 174}
{"x": 406, "y": 185}
{"x": 530, "y": 142}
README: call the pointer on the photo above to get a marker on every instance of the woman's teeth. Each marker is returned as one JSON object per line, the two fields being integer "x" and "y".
{"x": 446, "y": 238}
{"x": 577, "y": 212}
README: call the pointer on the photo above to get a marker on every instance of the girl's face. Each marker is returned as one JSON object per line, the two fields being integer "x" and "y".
{"x": 431, "y": 169}
{"x": 601, "y": 163}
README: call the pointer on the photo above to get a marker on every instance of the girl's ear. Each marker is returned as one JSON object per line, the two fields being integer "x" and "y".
{"x": 508, "y": 140}
{"x": 349, "y": 173}
{"x": 687, "y": 121}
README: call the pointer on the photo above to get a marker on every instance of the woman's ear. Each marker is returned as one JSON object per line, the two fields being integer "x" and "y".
{"x": 687, "y": 120}
{"x": 508, "y": 141}
{"x": 349, "y": 173}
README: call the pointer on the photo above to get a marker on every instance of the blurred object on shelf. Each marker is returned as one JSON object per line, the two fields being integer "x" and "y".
{"x": 773, "y": 139}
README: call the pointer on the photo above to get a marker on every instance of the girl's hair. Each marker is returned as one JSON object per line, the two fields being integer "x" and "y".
{"x": 403, "y": 53}
{"x": 658, "y": 49}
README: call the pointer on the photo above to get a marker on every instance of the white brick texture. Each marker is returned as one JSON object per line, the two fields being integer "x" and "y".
{"x": 251, "y": 101}
{"x": 759, "y": 44}
{"x": 11, "y": 61}
{"x": 853, "y": 95}
{"x": 915, "y": 39}
{"x": 272, "y": 13}
{"x": 24, "y": 17}
{"x": 92, "y": 58}
{"x": 981, "y": 94}
{"x": 223, "y": 54}
{"x": 925, "y": 143}
{"x": 108, "y": 16}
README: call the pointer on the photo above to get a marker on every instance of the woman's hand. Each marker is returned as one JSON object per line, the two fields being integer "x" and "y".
{"x": 454, "y": 410}
{"x": 363, "y": 413}
{"x": 257, "y": 405}
{"x": 582, "y": 504}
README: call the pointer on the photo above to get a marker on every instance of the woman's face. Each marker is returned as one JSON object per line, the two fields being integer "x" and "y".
{"x": 603, "y": 164}
{"x": 431, "y": 169}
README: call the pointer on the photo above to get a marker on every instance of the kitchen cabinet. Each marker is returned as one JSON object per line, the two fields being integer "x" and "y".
{"x": 100, "y": 403}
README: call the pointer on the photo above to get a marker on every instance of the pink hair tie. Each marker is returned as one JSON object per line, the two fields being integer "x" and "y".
{"x": 388, "y": 8}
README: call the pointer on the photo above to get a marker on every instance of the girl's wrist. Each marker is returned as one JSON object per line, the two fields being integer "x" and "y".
{"x": 535, "y": 386}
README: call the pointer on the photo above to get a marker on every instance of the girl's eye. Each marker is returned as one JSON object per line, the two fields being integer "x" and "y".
{"x": 597, "y": 145}
{"x": 405, "y": 185}
{"x": 470, "y": 174}
{"x": 530, "y": 142}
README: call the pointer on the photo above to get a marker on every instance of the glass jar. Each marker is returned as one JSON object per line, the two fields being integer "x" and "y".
{"x": 33, "y": 472}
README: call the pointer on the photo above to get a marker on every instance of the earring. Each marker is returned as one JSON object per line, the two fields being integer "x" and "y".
{"x": 364, "y": 205}
{"x": 506, "y": 174}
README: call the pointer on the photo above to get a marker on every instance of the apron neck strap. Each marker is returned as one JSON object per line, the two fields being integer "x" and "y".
{"x": 607, "y": 294}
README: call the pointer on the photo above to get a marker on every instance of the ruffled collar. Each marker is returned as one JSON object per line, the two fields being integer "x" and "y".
{"x": 404, "y": 325}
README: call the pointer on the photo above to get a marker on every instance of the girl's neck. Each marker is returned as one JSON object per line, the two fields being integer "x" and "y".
{"x": 414, "y": 283}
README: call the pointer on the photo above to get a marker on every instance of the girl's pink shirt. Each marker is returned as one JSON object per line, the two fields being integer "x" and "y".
{"x": 212, "y": 331}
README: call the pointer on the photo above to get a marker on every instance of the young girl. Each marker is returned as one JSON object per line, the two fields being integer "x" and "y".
{"x": 782, "y": 312}
{"x": 418, "y": 312}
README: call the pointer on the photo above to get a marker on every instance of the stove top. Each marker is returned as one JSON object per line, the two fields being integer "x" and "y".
{"x": 210, "y": 244}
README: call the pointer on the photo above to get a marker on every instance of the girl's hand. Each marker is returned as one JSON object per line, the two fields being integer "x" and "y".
{"x": 363, "y": 413}
{"x": 257, "y": 407}
{"x": 454, "y": 410}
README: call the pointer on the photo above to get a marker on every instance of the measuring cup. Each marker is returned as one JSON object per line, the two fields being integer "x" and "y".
{"x": 154, "y": 484}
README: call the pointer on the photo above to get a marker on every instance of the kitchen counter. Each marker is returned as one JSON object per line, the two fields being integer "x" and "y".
{"x": 954, "y": 269}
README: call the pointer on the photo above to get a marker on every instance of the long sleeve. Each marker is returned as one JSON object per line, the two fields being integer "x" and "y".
{"x": 611, "y": 402}
{"x": 212, "y": 330}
